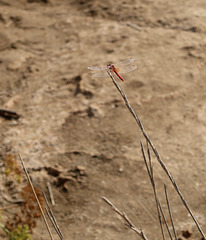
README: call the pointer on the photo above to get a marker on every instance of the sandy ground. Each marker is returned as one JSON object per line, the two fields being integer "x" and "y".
{"x": 79, "y": 125}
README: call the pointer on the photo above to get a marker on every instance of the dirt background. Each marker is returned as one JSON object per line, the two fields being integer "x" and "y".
{"x": 75, "y": 132}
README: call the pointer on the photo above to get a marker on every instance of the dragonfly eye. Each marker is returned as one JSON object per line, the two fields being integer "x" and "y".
{"x": 112, "y": 67}
{"x": 109, "y": 67}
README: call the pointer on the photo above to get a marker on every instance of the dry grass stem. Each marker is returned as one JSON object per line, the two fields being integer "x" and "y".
{"x": 160, "y": 212}
{"x": 124, "y": 216}
{"x": 6, "y": 198}
{"x": 37, "y": 200}
{"x": 50, "y": 193}
{"x": 52, "y": 218}
{"x": 8, "y": 207}
{"x": 165, "y": 221}
{"x": 156, "y": 153}
{"x": 151, "y": 177}
{"x": 132, "y": 25}
{"x": 158, "y": 204}
{"x": 170, "y": 213}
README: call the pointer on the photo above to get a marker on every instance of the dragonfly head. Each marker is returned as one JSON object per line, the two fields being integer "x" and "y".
{"x": 110, "y": 67}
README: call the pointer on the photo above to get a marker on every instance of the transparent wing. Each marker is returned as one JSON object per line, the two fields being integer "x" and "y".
{"x": 97, "y": 68}
{"x": 124, "y": 62}
{"x": 100, "y": 74}
{"x": 126, "y": 68}
{"x": 121, "y": 67}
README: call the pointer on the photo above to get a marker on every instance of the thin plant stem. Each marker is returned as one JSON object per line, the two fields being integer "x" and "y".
{"x": 151, "y": 177}
{"x": 4, "y": 228}
{"x": 170, "y": 213}
{"x": 51, "y": 193}
{"x": 52, "y": 218}
{"x": 163, "y": 215}
{"x": 150, "y": 162}
{"x": 37, "y": 200}
{"x": 124, "y": 216}
{"x": 156, "y": 153}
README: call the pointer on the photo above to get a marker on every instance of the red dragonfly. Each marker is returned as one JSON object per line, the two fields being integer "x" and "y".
{"x": 121, "y": 67}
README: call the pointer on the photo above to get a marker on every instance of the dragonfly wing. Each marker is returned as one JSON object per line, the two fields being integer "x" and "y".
{"x": 126, "y": 69}
{"x": 124, "y": 62}
{"x": 96, "y": 68}
{"x": 100, "y": 74}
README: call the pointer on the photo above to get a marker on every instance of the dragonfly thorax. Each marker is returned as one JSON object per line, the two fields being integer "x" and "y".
{"x": 111, "y": 67}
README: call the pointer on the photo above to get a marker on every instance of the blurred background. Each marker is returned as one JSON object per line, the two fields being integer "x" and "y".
{"x": 74, "y": 131}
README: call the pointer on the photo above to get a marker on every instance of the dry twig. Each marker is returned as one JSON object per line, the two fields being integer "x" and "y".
{"x": 8, "y": 114}
{"x": 52, "y": 218}
{"x": 170, "y": 213}
{"x": 51, "y": 193}
{"x": 165, "y": 221}
{"x": 151, "y": 177}
{"x": 37, "y": 200}
{"x": 158, "y": 204}
{"x": 124, "y": 216}
{"x": 156, "y": 153}
{"x": 132, "y": 25}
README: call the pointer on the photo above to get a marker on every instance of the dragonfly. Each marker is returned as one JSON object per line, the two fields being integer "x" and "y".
{"x": 122, "y": 67}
